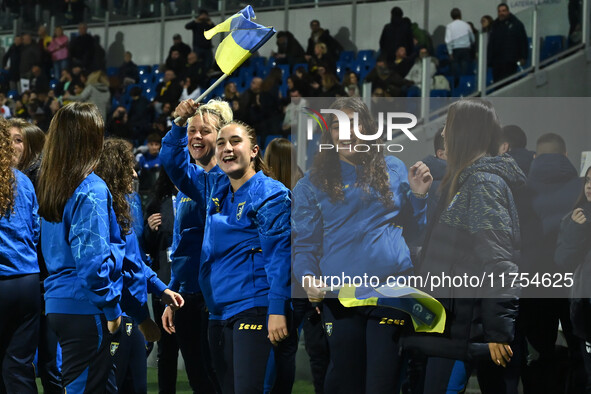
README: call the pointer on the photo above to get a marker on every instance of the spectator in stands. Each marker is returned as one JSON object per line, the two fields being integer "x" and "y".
{"x": 119, "y": 126}
{"x": 82, "y": 48}
{"x": 459, "y": 39}
{"x": 65, "y": 83}
{"x": 99, "y": 59}
{"x": 293, "y": 110}
{"x": 507, "y": 44}
{"x": 554, "y": 185}
{"x": 421, "y": 38}
{"x": 320, "y": 35}
{"x": 322, "y": 58}
{"x": 403, "y": 63}
{"x": 96, "y": 91}
{"x": 4, "y": 109}
{"x": 58, "y": 48}
{"x": 331, "y": 86}
{"x": 190, "y": 90}
{"x": 395, "y": 34}
{"x": 20, "y": 111}
{"x": 182, "y": 48}
{"x": 289, "y": 50}
{"x": 513, "y": 142}
{"x": 389, "y": 81}
{"x": 415, "y": 75}
{"x": 175, "y": 62}
{"x": 254, "y": 108}
{"x": 201, "y": 45}
{"x": 43, "y": 42}
{"x": 351, "y": 84}
{"x": 11, "y": 62}
{"x": 74, "y": 11}
{"x": 486, "y": 23}
{"x": 168, "y": 91}
{"x": 575, "y": 9}
{"x": 231, "y": 92}
{"x": 30, "y": 55}
{"x": 128, "y": 72}
{"x": 140, "y": 115}
{"x": 151, "y": 159}
{"x": 196, "y": 70}
{"x": 39, "y": 81}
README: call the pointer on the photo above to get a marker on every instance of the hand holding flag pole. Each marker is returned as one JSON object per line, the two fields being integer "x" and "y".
{"x": 245, "y": 38}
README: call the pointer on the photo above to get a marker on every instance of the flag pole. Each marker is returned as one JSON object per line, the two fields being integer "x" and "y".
{"x": 204, "y": 94}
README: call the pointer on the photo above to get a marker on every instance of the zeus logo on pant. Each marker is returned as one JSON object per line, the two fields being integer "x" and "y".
{"x": 244, "y": 326}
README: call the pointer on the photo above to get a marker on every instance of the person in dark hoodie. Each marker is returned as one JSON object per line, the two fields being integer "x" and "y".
{"x": 475, "y": 230}
{"x": 573, "y": 253}
{"x": 513, "y": 142}
{"x": 553, "y": 185}
{"x": 396, "y": 34}
{"x": 19, "y": 273}
{"x": 289, "y": 50}
{"x": 318, "y": 35}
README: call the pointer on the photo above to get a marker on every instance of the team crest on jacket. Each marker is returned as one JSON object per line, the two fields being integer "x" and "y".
{"x": 328, "y": 327}
{"x": 239, "y": 210}
{"x": 128, "y": 327}
{"x": 216, "y": 201}
{"x": 114, "y": 347}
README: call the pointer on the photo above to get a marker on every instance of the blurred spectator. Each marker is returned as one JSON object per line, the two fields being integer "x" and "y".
{"x": 486, "y": 23}
{"x": 351, "y": 84}
{"x": 128, "y": 72}
{"x": 54, "y": 106}
{"x": 416, "y": 72}
{"x": 459, "y": 39}
{"x": 168, "y": 91}
{"x": 11, "y": 62}
{"x": 403, "y": 63}
{"x": 4, "y": 109}
{"x": 96, "y": 91}
{"x": 58, "y": 48}
{"x": 118, "y": 126}
{"x": 331, "y": 86}
{"x": 190, "y": 90}
{"x": 231, "y": 92}
{"x": 175, "y": 62}
{"x": 320, "y": 35}
{"x": 30, "y": 55}
{"x": 293, "y": 110}
{"x": 322, "y": 58}
{"x": 513, "y": 142}
{"x": 20, "y": 111}
{"x": 43, "y": 41}
{"x": 150, "y": 160}
{"x": 140, "y": 116}
{"x": 575, "y": 9}
{"x": 82, "y": 48}
{"x": 258, "y": 108}
{"x": 196, "y": 70}
{"x": 74, "y": 11}
{"x": 395, "y": 34}
{"x": 289, "y": 50}
{"x": 65, "y": 83}
{"x": 201, "y": 45}
{"x": 39, "y": 81}
{"x": 389, "y": 81}
{"x": 421, "y": 38}
{"x": 507, "y": 44}
{"x": 181, "y": 47}
{"x": 99, "y": 60}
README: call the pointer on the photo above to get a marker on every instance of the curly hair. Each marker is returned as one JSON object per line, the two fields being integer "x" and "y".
{"x": 116, "y": 169}
{"x": 7, "y": 178}
{"x": 372, "y": 173}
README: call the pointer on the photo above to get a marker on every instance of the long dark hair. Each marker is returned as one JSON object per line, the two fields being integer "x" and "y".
{"x": 371, "y": 169}
{"x": 72, "y": 151}
{"x": 472, "y": 129}
{"x": 34, "y": 139}
{"x": 582, "y": 200}
{"x": 116, "y": 169}
{"x": 7, "y": 178}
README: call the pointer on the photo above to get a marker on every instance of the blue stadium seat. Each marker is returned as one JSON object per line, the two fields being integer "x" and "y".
{"x": 489, "y": 76}
{"x": 112, "y": 71}
{"x": 366, "y": 55}
{"x": 347, "y": 56}
{"x": 439, "y": 93}
{"x": 342, "y": 67}
{"x": 53, "y": 84}
{"x": 413, "y": 91}
{"x": 466, "y": 86}
{"x": 144, "y": 70}
{"x": 552, "y": 45}
{"x": 258, "y": 62}
{"x": 441, "y": 52}
{"x": 298, "y": 65}
{"x": 271, "y": 137}
{"x": 12, "y": 94}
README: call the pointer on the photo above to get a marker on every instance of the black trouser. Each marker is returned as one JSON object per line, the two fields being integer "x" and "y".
{"x": 460, "y": 64}
{"x": 365, "y": 356}
{"x": 240, "y": 351}
{"x": 49, "y": 372}
{"x": 503, "y": 70}
{"x": 445, "y": 376}
{"x": 19, "y": 332}
{"x": 168, "y": 350}
{"x": 191, "y": 333}
{"x": 315, "y": 340}
{"x": 86, "y": 362}
{"x": 128, "y": 350}
{"x": 586, "y": 353}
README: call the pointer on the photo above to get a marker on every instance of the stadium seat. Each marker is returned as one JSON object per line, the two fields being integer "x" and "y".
{"x": 413, "y": 91}
{"x": 12, "y": 94}
{"x": 258, "y": 62}
{"x": 342, "y": 67}
{"x": 466, "y": 86}
{"x": 144, "y": 70}
{"x": 271, "y": 137}
{"x": 367, "y": 55}
{"x": 347, "y": 56}
{"x": 298, "y": 65}
{"x": 551, "y": 46}
{"x": 112, "y": 71}
{"x": 439, "y": 93}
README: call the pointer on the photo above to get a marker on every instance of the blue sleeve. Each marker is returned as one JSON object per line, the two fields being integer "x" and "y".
{"x": 273, "y": 219}
{"x": 155, "y": 285}
{"x": 413, "y": 209}
{"x": 135, "y": 293}
{"x": 174, "y": 284}
{"x": 91, "y": 234}
{"x": 307, "y": 227}
{"x": 174, "y": 157}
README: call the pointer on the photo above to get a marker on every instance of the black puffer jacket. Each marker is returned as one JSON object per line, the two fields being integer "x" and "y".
{"x": 573, "y": 253}
{"x": 478, "y": 232}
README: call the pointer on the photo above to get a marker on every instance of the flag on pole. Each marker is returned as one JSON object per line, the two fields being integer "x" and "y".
{"x": 245, "y": 38}
{"x": 427, "y": 314}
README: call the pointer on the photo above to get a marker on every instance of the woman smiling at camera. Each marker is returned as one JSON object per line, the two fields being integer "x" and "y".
{"x": 245, "y": 257}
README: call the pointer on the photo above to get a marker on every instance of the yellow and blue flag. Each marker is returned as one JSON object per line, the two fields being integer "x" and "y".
{"x": 245, "y": 38}
{"x": 427, "y": 314}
